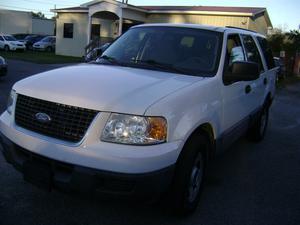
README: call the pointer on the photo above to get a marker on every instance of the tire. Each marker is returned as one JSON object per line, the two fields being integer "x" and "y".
{"x": 6, "y": 48}
{"x": 189, "y": 176}
{"x": 258, "y": 130}
{"x": 49, "y": 49}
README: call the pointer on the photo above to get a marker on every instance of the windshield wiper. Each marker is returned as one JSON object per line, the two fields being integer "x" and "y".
{"x": 109, "y": 59}
{"x": 159, "y": 65}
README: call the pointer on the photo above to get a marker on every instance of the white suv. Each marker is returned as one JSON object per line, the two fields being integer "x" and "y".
{"x": 146, "y": 117}
{"x": 9, "y": 43}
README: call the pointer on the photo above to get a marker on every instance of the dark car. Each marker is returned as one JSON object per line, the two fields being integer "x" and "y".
{"x": 96, "y": 52}
{"x": 281, "y": 69}
{"x": 3, "y": 67}
{"x": 20, "y": 37}
{"x": 31, "y": 39}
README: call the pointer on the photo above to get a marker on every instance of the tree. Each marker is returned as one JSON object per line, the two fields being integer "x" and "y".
{"x": 294, "y": 37}
{"x": 276, "y": 42}
{"x": 39, "y": 15}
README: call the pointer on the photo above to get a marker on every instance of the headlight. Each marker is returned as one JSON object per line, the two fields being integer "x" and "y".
{"x": 2, "y": 60}
{"x": 136, "y": 130}
{"x": 10, "y": 101}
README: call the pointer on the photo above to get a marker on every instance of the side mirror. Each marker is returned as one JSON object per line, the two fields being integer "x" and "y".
{"x": 242, "y": 71}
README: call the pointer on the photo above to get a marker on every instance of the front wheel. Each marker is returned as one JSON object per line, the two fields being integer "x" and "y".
{"x": 6, "y": 48}
{"x": 258, "y": 130}
{"x": 49, "y": 49}
{"x": 189, "y": 176}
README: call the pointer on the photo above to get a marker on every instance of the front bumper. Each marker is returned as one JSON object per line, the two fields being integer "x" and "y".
{"x": 3, "y": 70}
{"x": 70, "y": 177}
{"x": 15, "y": 48}
{"x": 91, "y": 165}
{"x": 91, "y": 152}
{"x": 39, "y": 48}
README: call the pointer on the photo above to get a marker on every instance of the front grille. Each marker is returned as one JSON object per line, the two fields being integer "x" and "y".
{"x": 68, "y": 123}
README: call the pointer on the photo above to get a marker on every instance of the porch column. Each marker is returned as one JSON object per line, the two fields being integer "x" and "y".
{"x": 120, "y": 22}
{"x": 89, "y": 28}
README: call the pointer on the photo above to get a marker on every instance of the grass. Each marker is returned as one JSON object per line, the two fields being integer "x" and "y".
{"x": 40, "y": 57}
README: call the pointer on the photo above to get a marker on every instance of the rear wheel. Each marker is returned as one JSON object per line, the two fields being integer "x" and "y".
{"x": 258, "y": 130}
{"x": 189, "y": 176}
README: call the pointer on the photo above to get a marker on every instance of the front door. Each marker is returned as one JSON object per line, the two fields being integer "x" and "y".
{"x": 237, "y": 96}
{"x": 95, "y": 31}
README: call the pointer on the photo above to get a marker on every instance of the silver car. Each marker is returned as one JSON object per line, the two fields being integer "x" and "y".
{"x": 46, "y": 44}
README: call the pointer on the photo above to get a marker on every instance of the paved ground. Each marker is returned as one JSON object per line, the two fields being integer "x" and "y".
{"x": 249, "y": 184}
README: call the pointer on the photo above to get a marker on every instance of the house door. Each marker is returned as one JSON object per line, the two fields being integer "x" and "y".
{"x": 95, "y": 32}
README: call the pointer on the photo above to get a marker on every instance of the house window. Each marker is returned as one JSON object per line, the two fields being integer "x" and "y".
{"x": 68, "y": 30}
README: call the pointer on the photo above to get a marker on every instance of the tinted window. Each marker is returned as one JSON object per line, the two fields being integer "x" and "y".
{"x": 46, "y": 39}
{"x": 192, "y": 51}
{"x": 1, "y": 38}
{"x": 266, "y": 51}
{"x": 68, "y": 30}
{"x": 252, "y": 52}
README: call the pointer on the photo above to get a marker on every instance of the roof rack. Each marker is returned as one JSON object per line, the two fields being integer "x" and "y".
{"x": 241, "y": 28}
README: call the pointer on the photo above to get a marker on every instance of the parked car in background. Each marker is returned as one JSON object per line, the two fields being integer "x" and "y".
{"x": 9, "y": 43}
{"x": 46, "y": 44}
{"x": 20, "y": 37}
{"x": 281, "y": 69}
{"x": 31, "y": 39}
{"x": 3, "y": 67}
{"x": 96, "y": 52}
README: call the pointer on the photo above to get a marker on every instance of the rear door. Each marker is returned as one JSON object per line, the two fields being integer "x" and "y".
{"x": 269, "y": 63}
{"x": 258, "y": 86}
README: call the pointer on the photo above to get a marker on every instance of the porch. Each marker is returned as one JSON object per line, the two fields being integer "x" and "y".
{"x": 109, "y": 19}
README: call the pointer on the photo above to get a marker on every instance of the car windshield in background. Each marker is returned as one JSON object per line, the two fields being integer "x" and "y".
{"x": 9, "y": 38}
{"x": 179, "y": 50}
{"x": 47, "y": 39}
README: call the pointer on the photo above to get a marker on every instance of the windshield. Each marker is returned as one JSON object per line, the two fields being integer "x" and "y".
{"x": 47, "y": 39}
{"x": 30, "y": 37}
{"x": 9, "y": 38}
{"x": 180, "y": 50}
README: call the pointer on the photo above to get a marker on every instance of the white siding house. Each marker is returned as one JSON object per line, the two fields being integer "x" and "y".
{"x": 103, "y": 20}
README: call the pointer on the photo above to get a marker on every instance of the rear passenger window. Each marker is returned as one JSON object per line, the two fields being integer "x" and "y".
{"x": 267, "y": 52}
{"x": 252, "y": 52}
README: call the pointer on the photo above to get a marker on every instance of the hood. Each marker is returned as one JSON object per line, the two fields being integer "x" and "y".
{"x": 104, "y": 87}
{"x": 16, "y": 42}
{"x": 41, "y": 43}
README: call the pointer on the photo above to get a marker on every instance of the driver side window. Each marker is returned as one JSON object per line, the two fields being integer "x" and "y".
{"x": 234, "y": 53}
{"x": 234, "y": 49}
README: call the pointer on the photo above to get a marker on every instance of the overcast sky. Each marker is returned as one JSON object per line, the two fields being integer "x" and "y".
{"x": 283, "y": 13}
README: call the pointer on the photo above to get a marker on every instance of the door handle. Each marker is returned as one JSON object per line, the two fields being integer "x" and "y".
{"x": 248, "y": 89}
{"x": 265, "y": 81}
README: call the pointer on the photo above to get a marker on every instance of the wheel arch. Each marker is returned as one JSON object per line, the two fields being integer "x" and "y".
{"x": 207, "y": 130}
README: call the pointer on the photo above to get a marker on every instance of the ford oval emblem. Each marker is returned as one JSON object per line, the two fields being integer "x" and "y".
{"x": 42, "y": 117}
